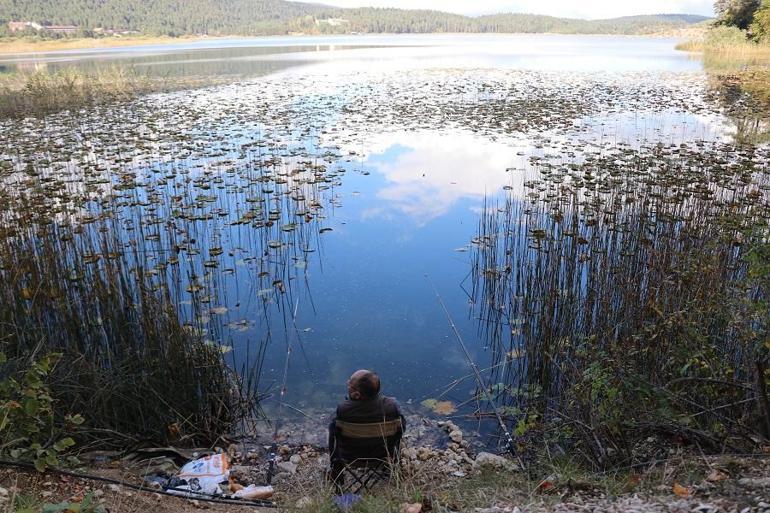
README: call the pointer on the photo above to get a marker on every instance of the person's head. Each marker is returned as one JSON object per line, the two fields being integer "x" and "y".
{"x": 363, "y": 384}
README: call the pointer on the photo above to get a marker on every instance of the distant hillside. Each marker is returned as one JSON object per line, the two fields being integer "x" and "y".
{"x": 260, "y": 17}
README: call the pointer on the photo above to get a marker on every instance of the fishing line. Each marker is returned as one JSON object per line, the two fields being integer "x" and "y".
{"x": 479, "y": 381}
{"x": 282, "y": 393}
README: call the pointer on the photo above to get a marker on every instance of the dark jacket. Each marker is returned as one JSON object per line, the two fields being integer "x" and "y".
{"x": 379, "y": 409}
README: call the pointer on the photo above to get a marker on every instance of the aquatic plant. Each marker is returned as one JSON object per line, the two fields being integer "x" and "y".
{"x": 613, "y": 296}
{"x": 42, "y": 92}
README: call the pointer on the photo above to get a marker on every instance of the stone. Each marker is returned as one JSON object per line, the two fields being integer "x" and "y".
{"x": 281, "y": 477}
{"x": 113, "y": 487}
{"x": 424, "y": 454}
{"x": 458, "y": 473}
{"x": 288, "y": 467}
{"x": 487, "y": 459}
{"x": 3, "y": 492}
{"x": 456, "y": 436}
{"x": 304, "y": 502}
{"x": 296, "y": 459}
{"x": 755, "y": 482}
{"x": 98, "y": 493}
{"x": 241, "y": 473}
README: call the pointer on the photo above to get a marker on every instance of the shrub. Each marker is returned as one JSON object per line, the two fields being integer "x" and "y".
{"x": 29, "y": 427}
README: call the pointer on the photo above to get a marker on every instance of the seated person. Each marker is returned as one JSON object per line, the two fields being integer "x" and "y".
{"x": 363, "y": 405}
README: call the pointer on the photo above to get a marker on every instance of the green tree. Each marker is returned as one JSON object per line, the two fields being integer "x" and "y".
{"x": 738, "y": 13}
{"x": 760, "y": 27}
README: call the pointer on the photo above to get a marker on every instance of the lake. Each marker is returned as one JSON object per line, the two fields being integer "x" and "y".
{"x": 310, "y": 201}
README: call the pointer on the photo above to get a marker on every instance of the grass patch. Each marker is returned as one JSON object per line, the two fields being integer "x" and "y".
{"x": 10, "y": 45}
{"x": 728, "y": 49}
{"x": 41, "y": 93}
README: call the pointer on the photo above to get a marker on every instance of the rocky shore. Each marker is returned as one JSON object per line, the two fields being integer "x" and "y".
{"x": 452, "y": 473}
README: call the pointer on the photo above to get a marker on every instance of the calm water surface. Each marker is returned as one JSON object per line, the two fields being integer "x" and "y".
{"x": 427, "y": 128}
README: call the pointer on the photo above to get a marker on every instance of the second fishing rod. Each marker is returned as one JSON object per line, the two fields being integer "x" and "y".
{"x": 510, "y": 444}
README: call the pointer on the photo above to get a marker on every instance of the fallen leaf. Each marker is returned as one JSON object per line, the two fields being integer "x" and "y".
{"x": 440, "y": 407}
{"x": 545, "y": 486}
{"x": 682, "y": 491}
{"x": 716, "y": 476}
{"x": 634, "y": 479}
{"x": 411, "y": 508}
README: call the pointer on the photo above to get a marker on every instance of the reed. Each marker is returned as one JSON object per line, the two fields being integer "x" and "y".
{"x": 40, "y": 93}
{"x": 126, "y": 276}
{"x": 129, "y": 365}
{"x": 617, "y": 298}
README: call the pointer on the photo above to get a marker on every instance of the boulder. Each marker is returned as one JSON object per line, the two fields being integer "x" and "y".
{"x": 288, "y": 467}
{"x": 487, "y": 459}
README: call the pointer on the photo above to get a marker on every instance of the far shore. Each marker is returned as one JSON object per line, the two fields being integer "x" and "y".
{"x": 25, "y": 45}
{"x": 28, "y": 45}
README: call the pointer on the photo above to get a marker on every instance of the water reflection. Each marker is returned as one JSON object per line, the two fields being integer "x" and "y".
{"x": 427, "y": 172}
{"x": 370, "y": 180}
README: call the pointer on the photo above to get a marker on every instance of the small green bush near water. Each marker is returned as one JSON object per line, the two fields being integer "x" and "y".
{"x": 29, "y": 427}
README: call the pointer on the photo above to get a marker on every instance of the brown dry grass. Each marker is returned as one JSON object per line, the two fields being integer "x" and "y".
{"x": 31, "y": 45}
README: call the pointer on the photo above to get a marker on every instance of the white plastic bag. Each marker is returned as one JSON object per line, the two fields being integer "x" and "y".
{"x": 204, "y": 475}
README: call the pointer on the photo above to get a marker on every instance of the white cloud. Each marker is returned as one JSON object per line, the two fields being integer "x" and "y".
{"x": 565, "y": 8}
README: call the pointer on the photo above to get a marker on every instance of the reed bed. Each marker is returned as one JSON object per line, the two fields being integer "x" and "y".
{"x": 622, "y": 298}
{"x": 126, "y": 267}
{"x": 40, "y": 93}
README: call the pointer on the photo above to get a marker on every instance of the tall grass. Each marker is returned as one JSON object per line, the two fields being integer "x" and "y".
{"x": 126, "y": 271}
{"x": 42, "y": 92}
{"x": 129, "y": 365}
{"x": 728, "y": 49}
{"x": 619, "y": 299}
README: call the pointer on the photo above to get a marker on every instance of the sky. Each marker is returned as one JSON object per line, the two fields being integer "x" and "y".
{"x": 588, "y": 9}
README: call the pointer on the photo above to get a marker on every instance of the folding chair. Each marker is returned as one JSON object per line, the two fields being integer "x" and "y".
{"x": 364, "y": 454}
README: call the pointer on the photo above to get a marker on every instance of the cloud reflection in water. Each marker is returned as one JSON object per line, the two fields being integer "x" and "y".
{"x": 428, "y": 172}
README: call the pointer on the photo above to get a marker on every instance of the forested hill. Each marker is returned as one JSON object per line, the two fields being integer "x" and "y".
{"x": 259, "y": 17}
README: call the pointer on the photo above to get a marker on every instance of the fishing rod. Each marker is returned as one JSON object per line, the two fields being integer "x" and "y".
{"x": 479, "y": 381}
{"x": 274, "y": 448}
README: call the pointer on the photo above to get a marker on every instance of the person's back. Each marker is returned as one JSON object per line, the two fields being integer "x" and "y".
{"x": 364, "y": 405}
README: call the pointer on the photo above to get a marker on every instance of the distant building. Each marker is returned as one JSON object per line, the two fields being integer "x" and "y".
{"x": 61, "y": 29}
{"x": 333, "y": 22}
{"x": 20, "y": 26}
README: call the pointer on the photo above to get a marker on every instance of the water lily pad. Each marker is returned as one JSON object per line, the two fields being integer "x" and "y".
{"x": 440, "y": 407}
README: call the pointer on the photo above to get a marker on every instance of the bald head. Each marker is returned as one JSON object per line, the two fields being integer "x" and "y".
{"x": 363, "y": 384}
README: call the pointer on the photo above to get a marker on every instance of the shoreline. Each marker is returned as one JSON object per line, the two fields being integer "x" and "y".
{"x": 12, "y": 46}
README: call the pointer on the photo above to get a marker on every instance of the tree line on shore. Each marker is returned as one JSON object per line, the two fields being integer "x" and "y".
{"x": 263, "y": 17}
{"x": 752, "y": 16}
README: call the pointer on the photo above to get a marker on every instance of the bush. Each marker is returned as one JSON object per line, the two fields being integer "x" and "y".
{"x": 760, "y": 27}
{"x": 29, "y": 427}
{"x": 723, "y": 36}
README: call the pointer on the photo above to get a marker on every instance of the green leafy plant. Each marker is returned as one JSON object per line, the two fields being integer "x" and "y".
{"x": 87, "y": 505}
{"x": 28, "y": 428}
